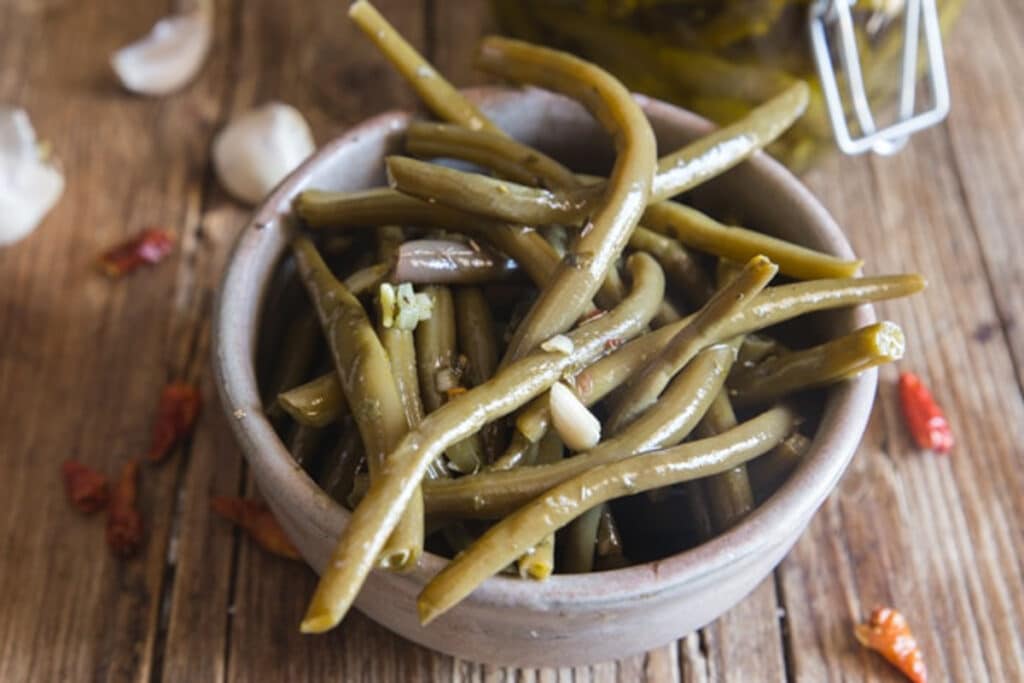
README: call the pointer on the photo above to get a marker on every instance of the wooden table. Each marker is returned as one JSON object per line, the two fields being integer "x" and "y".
{"x": 82, "y": 359}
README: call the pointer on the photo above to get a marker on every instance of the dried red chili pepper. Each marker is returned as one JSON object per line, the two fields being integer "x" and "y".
{"x": 259, "y": 522}
{"x": 176, "y": 416}
{"x": 124, "y": 522}
{"x": 149, "y": 247}
{"x": 86, "y": 488}
{"x": 925, "y": 419}
{"x": 888, "y": 634}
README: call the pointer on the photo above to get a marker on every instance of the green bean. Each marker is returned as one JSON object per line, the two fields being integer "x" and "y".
{"x": 376, "y": 516}
{"x": 681, "y": 267}
{"x": 697, "y": 162}
{"x": 576, "y": 280}
{"x": 566, "y": 501}
{"x": 477, "y": 194}
{"x": 581, "y": 541}
{"x": 755, "y": 348}
{"x": 365, "y": 377}
{"x": 517, "y": 452}
{"x": 296, "y": 356}
{"x": 436, "y": 358}
{"x": 728, "y": 493}
{"x": 515, "y": 203}
{"x": 304, "y": 444}
{"x": 771, "y": 307}
{"x": 389, "y": 240}
{"x": 317, "y": 403}
{"x": 610, "y": 554}
{"x": 644, "y": 388}
{"x": 833, "y": 361}
{"x": 339, "y": 470}
{"x": 695, "y": 229}
{"x": 478, "y": 343}
{"x": 538, "y": 562}
{"x": 384, "y": 205}
{"x": 489, "y": 495}
{"x": 503, "y": 155}
{"x": 767, "y": 474}
{"x": 366, "y": 279}
{"x": 433, "y": 89}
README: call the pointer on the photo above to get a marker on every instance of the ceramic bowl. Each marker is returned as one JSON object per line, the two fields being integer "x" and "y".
{"x": 569, "y": 619}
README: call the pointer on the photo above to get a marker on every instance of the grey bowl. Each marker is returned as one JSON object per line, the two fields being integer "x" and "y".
{"x": 569, "y": 619}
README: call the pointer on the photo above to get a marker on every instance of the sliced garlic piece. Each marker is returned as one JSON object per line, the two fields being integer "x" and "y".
{"x": 169, "y": 56}
{"x": 258, "y": 149}
{"x": 29, "y": 184}
{"x": 559, "y": 343}
{"x": 575, "y": 424}
{"x": 387, "y": 304}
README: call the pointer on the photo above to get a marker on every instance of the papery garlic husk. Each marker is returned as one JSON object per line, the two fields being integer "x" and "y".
{"x": 29, "y": 184}
{"x": 169, "y": 56}
{"x": 578, "y": 428}
{"x": 259, "y": 148}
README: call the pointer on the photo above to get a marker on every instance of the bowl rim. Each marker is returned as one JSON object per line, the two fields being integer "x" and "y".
{"x": 847, "y": 410}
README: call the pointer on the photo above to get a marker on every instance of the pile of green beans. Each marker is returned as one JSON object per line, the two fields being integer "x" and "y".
{"x": 447, "y": 313}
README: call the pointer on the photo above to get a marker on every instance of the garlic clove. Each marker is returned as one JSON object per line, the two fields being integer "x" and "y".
{"x": 259, "y": 148}
{"x": 575, "y": 424}
{"x": 559, "y": 343}
{"x": 29, "y": 184}
{"x": 169, "y": 56}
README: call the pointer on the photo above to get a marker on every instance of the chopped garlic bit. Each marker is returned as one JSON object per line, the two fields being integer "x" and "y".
{"x": 259, "y": 148}
{"x": 445, "y": 380}
{"x": 402, "y": 307}
{"x": 575, "y": 424}
{"x": 387, "y": 305}
{"x": 29, "y": 184}
{"x": 559, "y": 343}
{"x": 412, "y": 307}
{"x": 169, "y": 56}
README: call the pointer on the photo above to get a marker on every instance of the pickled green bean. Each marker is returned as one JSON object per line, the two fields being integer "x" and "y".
{"x": 767, "y": 474}
{"x": 699, "y": 231}
{"x": 771, "y": 307}
{"x": 538, "y": 562}
{"x": 478, "y": 343}
{"x": 297, "y": 355}
{"x": 833, "y": 361}
{"x": 610, "y": 554}
{"x": 566, "y": 296}
{"x": 681, "y": 268}
{"x": 436, "y": 358}
{"x": 339, "y": 471}
{"x": 491, "y": 494}
{"x": 439, "y": 95}
{"x": 365, "y": 377}
{"x": 728, "y": 493}
{"x": 564, "y": 502}
{"x": 644, "y": 388}
{"x": 317, "y": 403}
{"x": 376, "y": 516}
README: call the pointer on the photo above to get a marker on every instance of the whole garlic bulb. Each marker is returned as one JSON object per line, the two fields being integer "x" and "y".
{"x": 258, "y": 149}
{"x": 29, "y": 184}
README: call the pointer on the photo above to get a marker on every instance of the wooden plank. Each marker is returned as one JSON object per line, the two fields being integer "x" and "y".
{"x": 936, "y": 537}
{"x": 987, "y": 133}
{"x": 82, "y": 359}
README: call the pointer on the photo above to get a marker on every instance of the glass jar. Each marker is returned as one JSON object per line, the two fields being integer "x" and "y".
{"x": 720, "y": 58}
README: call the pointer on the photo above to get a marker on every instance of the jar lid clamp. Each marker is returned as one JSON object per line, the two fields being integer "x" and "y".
{"x": 835, "y": 17}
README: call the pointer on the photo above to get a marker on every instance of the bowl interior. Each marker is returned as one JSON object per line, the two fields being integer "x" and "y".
{"x": 760, "y": 193}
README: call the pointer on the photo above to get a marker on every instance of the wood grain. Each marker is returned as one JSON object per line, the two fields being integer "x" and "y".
{"x": 82, "y": 360}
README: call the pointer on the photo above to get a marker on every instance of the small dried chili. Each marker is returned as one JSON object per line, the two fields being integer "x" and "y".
{"x": 176, "y": 416}
{"x": 888, "y": 634}
{"x": 149, "y": 247}
{"x": 925, "y": 419}
{"x": 124, "y": 522}
{"x": 86, "y": 488}
{"x": 259, "y": 522}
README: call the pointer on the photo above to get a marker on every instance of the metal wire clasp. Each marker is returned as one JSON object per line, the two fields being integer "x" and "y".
{"x": 835, "y": 17}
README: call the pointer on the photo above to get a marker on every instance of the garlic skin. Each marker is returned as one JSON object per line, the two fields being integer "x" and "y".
{"x": 258, "y": 149}
{"x": 29, "y": 184}
{"x": 575, "y": 424}
{"x": 168, "y": 57}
